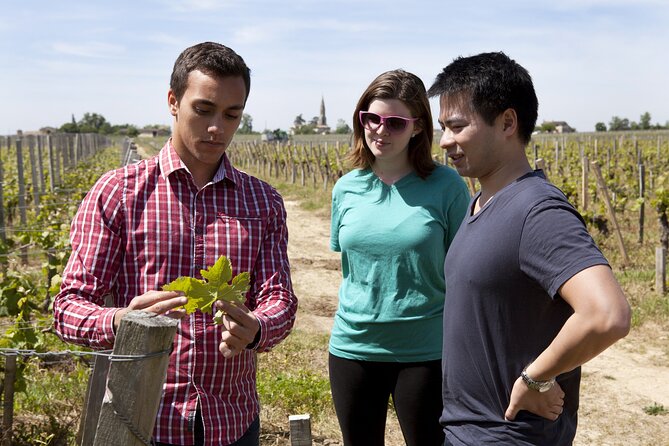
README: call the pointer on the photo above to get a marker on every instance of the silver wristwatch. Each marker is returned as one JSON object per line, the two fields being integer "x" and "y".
{"x": 539, "y": 386}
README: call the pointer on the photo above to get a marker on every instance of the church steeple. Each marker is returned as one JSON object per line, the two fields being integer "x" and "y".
{"x": 322, "y": 121}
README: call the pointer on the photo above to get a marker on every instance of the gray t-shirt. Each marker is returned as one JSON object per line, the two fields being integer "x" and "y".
{"x": 502, "y": 310}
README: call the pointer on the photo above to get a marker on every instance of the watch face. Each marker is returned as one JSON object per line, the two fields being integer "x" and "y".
{"x": 539, "y": 386}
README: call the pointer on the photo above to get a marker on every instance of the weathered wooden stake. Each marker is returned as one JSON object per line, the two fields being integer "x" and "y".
{"x": 2, "y": 204}
{"x": 22, "y": 192}
{"x": 8, "y": 400}
{"x": 33, "y": 173}
{"x": 660, "y": 270}
{"x": 584, "y": 183}
{"x": 300, "y": 430}
{"x": 601, "y": 185}
{"x": 642, "y": 207}
{"x": 97, "y": 384}
{"x": 134, "y": 388}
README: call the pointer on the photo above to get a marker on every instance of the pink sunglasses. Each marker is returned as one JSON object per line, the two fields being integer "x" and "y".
{"x": 394, "y": 124}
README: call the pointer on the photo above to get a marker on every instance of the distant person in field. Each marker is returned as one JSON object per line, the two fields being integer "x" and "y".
{"x": 393, "y": 218}
{"x": 144, "y": 225}
{"x": 529, "y": 296}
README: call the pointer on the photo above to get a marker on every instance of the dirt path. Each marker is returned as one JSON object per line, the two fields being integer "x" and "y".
{"x": 616, "y": 387}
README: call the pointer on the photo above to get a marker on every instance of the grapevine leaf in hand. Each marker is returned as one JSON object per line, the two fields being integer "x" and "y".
{"x": 203, "y": 293}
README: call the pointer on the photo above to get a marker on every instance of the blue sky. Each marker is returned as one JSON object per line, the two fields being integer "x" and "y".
{"x": 590, "y": 59}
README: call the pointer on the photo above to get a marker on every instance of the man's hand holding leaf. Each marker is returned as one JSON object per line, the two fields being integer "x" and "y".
{"x": 203, "y": 293}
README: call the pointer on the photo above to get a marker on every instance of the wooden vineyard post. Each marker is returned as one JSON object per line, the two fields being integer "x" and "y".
{"x": 56, "y": 160}
{"x": 303, "y": 174}
{"x": 660, "y": 270}
{"x": 326, "y": 168}
{"x": 33, "y": 173}
{"x": 300, "y": 430}
{"x": 40, "y": 164}
{"x": 134, "y": 388}
{"x": 541, "y": 164}
{"x": 293, "y": 167}
{"x": 340, "y": 165}
{"x": 642, "y": 207}
{"x": 315, "y": 167}
{"x": 93, "y": 403}
{"x": 608, "y": 162}
{"x": 609, "y": 207}
{"x": 22, "y": 192}
{"x": 557, "y": 156}
{"x": 2, "y": 200}
{"x": 8, "y": 400}
{"x": 584, "y": 183}
{"x": 49, "y": 147}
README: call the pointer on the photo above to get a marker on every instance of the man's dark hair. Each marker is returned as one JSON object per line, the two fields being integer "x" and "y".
{"x": 493, "y": 82}
{"x": 210, "y": 58}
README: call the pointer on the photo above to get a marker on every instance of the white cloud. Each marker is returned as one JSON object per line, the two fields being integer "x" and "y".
{"x": 90, "y": 49}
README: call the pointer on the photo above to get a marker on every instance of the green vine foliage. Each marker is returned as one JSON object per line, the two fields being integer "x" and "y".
{"x": 27, "y": 290}
{"x": 661, "y": 204}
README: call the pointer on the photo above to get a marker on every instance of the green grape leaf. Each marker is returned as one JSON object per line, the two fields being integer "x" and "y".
{"x": 203, "y": 293}
{"x": 218, "y": 317}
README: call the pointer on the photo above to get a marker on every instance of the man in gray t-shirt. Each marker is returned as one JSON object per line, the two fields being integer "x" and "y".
{"x": 529, "y": 296}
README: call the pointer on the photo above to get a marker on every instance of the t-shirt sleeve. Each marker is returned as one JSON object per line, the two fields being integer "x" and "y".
{"x": 555, "y": 245}
{"x": 334, "y": 222}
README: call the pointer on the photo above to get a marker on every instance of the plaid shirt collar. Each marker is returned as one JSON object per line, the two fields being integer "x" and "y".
{"x": 170, "y": 162}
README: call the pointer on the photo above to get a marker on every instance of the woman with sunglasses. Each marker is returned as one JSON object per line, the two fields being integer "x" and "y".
{"x": 393, "y": 218}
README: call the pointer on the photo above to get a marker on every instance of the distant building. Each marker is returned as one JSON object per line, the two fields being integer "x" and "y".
{"x": 559, "y": 126}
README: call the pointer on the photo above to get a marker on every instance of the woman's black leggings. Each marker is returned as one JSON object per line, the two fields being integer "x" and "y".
{"x": 361, "y": 390}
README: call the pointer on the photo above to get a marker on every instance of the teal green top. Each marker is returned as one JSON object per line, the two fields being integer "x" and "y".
{"x": 393, "y": 241}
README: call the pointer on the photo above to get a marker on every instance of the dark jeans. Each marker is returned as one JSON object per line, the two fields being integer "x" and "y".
{"x": 361, "y": 391}
{"x": 250, "y": 438}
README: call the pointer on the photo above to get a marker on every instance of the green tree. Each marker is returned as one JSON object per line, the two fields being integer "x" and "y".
{"x": 246, "y": 126}
{"x": 125, "y": 129}
{"x": 644, "y": 121}
{"x": 280, "y": 135}
{"x": 600, "y": 127}
{"x": 618, "y": 123}
{"x": 94, "y": 123}
{"x": 70, "y": 127}
{"x": 342, "y": 127}
{"x": 548, "y": 127}
{"x": 305, "y": 129}
{"x": 299, "y": 121}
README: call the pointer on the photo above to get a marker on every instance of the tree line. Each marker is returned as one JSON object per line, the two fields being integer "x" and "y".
{"x": 300, "y": 127}
{"x": 96, "y": 123}
{"x": 617, "y": 123}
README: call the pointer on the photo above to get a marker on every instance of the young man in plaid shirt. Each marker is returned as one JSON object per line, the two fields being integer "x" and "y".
{"x": 144, "y": 225}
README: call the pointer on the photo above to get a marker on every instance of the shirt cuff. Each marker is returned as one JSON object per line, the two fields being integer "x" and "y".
{"x": 106, "y": 327}
{"x": 261, "y": 335}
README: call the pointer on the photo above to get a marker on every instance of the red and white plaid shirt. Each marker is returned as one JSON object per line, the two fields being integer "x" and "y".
{"x": 144, "y": 225}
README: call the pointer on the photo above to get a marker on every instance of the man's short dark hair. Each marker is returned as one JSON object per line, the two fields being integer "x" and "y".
{"x": 210, "y": 58}
{"x": 493, "y": 82}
